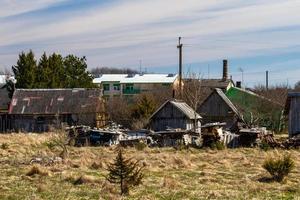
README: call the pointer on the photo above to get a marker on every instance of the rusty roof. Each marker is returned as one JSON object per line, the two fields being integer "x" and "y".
{"x": 55, "y": 101}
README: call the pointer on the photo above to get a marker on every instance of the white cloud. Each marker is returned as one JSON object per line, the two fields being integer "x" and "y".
{"x": 15, "y": 7}
{"x": 121, "y": 33}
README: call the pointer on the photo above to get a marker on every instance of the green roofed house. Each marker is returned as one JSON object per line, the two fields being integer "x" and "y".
{"x": 240, "y": 105}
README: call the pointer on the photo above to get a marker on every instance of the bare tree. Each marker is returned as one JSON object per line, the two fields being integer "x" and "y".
{"x": 112, "y": 70}
{"x": 277, "y": 93}
{"x": 192, "y": 93}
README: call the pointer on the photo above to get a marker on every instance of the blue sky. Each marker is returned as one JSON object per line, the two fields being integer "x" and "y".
{"x": 255, "y": 36}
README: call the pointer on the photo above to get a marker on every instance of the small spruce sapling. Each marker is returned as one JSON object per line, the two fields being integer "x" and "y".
{"x": 124, "y": 172}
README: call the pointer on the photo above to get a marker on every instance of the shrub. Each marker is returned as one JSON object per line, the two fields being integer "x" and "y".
{"x": 279, "y": 167}
{"x": 264, "y": 146}
{"x": 140, "y": 146}
{"x": 36, "y": 170}
{"x": 217, "y": 145}
{"x": 4, "y": 146}
{"x": 50, "y": 145}
{"x": 124, "y": 172}
{"x": 60, "y": 140}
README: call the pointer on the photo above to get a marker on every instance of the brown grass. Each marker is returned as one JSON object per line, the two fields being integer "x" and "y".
{"x": 169, "y": 174}
{"x": 37, "y": 170}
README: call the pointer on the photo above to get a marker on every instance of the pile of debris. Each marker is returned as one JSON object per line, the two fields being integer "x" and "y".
{"x": 293, "y": 142}
{"x": 86, "y": 136}
{"x": 258, "y": 136}
{"x": 213, "y": 133}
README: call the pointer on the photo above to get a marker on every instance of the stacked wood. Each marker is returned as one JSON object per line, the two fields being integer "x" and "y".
{"x": 270, "y": 140}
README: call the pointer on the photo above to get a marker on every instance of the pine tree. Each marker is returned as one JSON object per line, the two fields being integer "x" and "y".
{"x": 56, "y": 71}
{"x": 25, "y": 70}
{"x": 43, "y": 72}
{"x": 144, "y": 107}
{"x": 10, "y": 87}
{"x": 124, "y": 172}
{"x": 76, "y": 72}
{"x": 52, "y": 72}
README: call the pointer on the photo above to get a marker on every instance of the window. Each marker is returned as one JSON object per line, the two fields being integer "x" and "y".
{"x": 106, "y": 87}
{"x": 116, "y": 86}
{"x": 129, "y": 86}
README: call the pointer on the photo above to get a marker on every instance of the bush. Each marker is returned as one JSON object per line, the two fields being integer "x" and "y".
{"x": 279, "y": 167}
{"x": 36, "y": 170}
{"x": 264, "y": 146}
{"x": 140, "y": 146}
{"x": 4, "y": 146}
{"x": 217, "y": 145}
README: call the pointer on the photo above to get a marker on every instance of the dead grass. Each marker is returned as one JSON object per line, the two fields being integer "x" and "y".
{"x": 170, "y": 174}
{"x": 37, "y": 170}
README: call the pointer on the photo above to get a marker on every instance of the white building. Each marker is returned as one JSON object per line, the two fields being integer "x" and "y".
{"x": 132, "y": 84}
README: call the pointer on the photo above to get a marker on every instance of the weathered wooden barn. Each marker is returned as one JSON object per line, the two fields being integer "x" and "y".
{"x": 218, "y": 108}
{"x": 292, "y": 110}
{"x": 239, "y": 105}
{"x": 40, "y": 110}
{"x": 175, "y": 114}
{"x": 4, "y": 104}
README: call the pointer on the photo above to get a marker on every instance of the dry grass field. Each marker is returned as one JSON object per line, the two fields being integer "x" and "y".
{"x": 169, "y": 174}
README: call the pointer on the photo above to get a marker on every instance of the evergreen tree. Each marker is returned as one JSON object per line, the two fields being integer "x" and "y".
{"x": 76, "y": 73}
{"x": 52, "y": 72}
{"x": 10, "y": 87}
{"x": 56, "y": 71}
{"x": 25, "y": 70}
{"x": 144, "y": 108}
{"x": 124, "y": 172}
{"x": 43, "y": 72}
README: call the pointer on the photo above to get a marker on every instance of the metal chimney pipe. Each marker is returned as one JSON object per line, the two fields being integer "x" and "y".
{"x": 225, "y": 70}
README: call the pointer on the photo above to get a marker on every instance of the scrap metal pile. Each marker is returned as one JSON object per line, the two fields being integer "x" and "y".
{"x": 211, "y": 134}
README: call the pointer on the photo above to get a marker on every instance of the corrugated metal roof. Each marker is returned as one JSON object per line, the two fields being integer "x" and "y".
{"x": 109, "y": 78}
{"x": 215, "y": 83}
{"x": 55, "y": 101}
{"x": 186, "y": 109}
{"x": 183, "y": 107}
{"x": 136, "y": 78}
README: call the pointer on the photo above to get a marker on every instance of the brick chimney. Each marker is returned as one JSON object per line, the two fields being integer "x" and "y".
{"x": 225, "y": 70}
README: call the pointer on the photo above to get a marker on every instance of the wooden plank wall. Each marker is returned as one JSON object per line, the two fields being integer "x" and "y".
{"x": 294, "y": 116}
{"x": 169, "y": 116}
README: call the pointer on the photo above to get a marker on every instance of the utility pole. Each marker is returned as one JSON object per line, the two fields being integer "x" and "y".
{"x": 242, "y": 71}
{"x": 140, "y": 66}
{"x": 208, "y": 71}
{"x": 180, "y": 66}
{"x": 267, "y": 80}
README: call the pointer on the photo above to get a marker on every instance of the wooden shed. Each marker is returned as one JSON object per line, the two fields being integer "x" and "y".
{"x": 292, "y": 110}
{"x": 39, "y": 110}
{"x": 175, "y": 114}
{"x": 4, "y": 104}
{"x": 218, "y": 108}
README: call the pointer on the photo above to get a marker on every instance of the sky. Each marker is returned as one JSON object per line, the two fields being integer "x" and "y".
{"x": 254, "y": 36}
